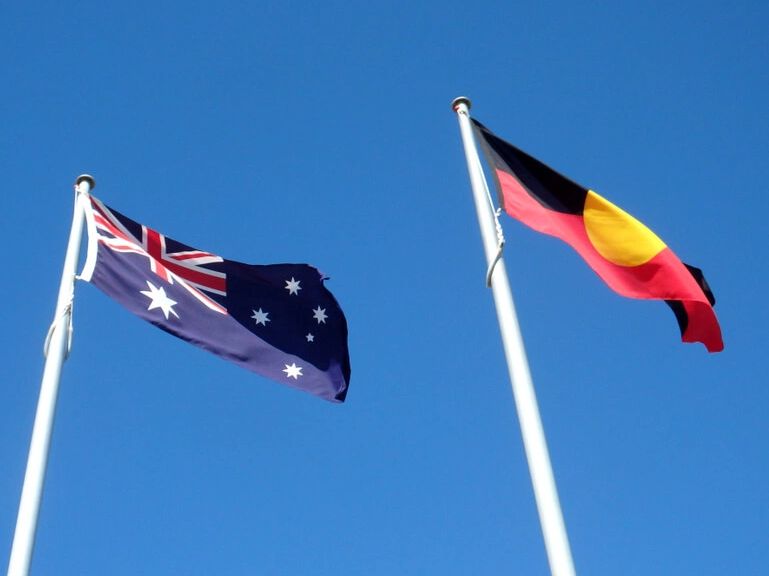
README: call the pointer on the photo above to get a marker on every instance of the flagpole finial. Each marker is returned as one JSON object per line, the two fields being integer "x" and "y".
{"x": 86, "y": 178}
{"x": 459, "y": 101}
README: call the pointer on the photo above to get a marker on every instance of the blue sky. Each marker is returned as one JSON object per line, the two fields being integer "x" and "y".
{"x": 322, "y": 133}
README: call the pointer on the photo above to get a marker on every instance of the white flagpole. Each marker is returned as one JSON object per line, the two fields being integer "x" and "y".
{"x": 56, "y": 349}
{"x": 545, "y": 493}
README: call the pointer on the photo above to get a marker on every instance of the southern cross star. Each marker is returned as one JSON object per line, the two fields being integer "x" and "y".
{"x": 310, "y": 337}
{"x": 159, "y": 299}
{"x": 293, "y": 371}
{"x": 293, "y": 286}
{"x": 261, "y": 317}
{"x": 320, "y": 315}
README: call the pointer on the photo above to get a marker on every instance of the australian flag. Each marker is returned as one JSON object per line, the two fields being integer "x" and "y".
{"x": 277, "y": 320}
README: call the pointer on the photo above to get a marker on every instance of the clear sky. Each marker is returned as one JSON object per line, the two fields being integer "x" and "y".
{"x": 321, "y": 132}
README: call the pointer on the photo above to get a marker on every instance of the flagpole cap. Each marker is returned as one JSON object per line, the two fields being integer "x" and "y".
{"x": 86, "y": 178}
{"x": 460, "y": 100}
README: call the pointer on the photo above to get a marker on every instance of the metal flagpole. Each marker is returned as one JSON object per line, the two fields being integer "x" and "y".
{"x": 57, "y": 346}
{"x": 545, "y": 493}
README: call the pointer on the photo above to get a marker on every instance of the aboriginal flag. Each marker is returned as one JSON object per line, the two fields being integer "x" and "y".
{"x": 629, "y": 257}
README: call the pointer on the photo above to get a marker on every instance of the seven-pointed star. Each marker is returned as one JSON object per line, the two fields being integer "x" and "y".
{"x": 293, "y": 371}
{"x": 293, "y": 286}
{"x": 320, "y": 315}
{"x": 159, "y": 299}
{"x": 261, "y": 317}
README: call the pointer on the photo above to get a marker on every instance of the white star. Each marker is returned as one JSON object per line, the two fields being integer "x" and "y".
{"x": 320, "y": 315}
{"x": 293, "y": 286}
{"x": 261, "y": 317}
{"x": 293, "y": 371}
{"x": 310, "y": 337}
{"x": 159, "y": 299}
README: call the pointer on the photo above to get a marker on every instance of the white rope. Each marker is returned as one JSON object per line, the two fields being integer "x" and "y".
{"x": 500, "y": 246}
{"x": 497, "y": 225}
{"x": 496, "y": 212}
{"x": 65, "y": 311}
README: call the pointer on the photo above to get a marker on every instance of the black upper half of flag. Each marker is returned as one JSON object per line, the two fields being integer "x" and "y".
{"x": 550, "y": 188}
{"x": 278, "y": 320}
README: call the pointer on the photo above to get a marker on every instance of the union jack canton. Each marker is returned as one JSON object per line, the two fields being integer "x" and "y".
{"x": 277, "y": 320}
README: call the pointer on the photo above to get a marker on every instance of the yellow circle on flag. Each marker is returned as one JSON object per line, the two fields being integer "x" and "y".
{"x": 616, "y": 235}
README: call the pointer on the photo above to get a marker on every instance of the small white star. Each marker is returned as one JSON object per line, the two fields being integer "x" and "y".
{"x": 320, "y": 315}
{"x": 293, "y": 286}
{"x": 159, "y": 299}
{"x": 261, "y": 317}
{"x": 293, "y": 371}
{"x": 310, "y": 337}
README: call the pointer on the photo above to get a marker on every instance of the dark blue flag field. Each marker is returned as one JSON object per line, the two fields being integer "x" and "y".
{"x": 277, "y": 320}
